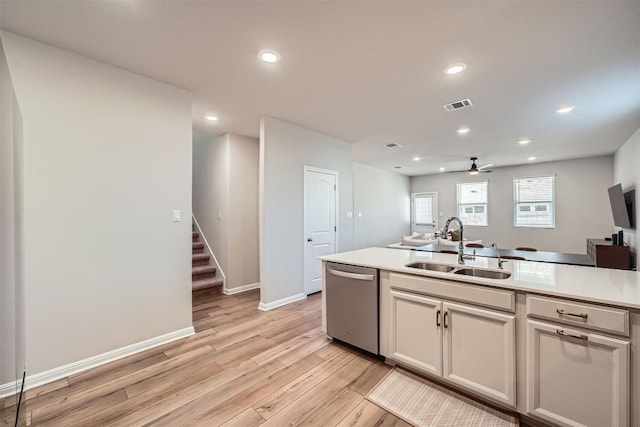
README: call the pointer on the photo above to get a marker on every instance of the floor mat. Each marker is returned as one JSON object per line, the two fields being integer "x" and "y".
{"x": 424, "y": 403}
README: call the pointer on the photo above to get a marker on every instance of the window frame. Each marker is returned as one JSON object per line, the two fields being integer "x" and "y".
{"x": 486, "y": 204}
{"x": 552, "y": 202}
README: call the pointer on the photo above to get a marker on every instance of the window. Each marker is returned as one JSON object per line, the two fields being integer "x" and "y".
{"x": 534, "y": 202}
{"x": 423, "y": 212}
{"x": 472, "y": 203}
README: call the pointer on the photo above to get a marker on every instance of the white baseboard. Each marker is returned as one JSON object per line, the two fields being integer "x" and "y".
{"x": 279, "y": 303}
{"x": 238, "y": 289}
{"x": 54, "y": 374}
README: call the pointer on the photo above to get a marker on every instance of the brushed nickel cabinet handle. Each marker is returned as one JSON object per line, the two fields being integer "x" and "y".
{"x": 561, "y": 312}
{"x": 564, "y": 334}
{"x": 438, "y": 318}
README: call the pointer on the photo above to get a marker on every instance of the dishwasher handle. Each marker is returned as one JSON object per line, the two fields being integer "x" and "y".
{"x": 350, "y": 275}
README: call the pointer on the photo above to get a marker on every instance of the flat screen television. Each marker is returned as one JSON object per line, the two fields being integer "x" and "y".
{"x": 622, "y": 206}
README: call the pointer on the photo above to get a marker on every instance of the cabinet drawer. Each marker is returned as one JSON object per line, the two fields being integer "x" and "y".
{"x": 581, "y": 314}
{"x": 475, "y": 294}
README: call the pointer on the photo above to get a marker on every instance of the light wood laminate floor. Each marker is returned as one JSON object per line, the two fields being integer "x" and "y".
{"x": 243, "y": 367}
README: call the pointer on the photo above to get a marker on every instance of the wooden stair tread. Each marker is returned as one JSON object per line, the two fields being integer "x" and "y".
{"x": 199, "y": 256}
{"x": 204, "y": 269}
{"x": 197, "y": 245}
{"x": 206, "y": 283}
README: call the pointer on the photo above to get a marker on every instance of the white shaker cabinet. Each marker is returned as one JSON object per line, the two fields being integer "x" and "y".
{"x": 416, "y": 332}
{"x": 468, "y": 346}
{"x": 479, "y": 351}
{"x": 576, "y": 378}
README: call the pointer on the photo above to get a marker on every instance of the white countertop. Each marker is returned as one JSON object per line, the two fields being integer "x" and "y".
{"x": 602, "y": 285}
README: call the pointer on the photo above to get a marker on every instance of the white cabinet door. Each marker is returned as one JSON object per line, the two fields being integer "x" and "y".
{"x": 479, "y": 351}
{"x": 416, "y": 332}
{"x": 576, "y": 378}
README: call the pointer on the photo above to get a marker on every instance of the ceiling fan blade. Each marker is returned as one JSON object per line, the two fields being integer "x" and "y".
{"x": 488, "y": 165}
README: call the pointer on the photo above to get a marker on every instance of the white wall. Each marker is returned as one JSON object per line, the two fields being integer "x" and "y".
{"x": 381, "y": 204}
{"x": 284, "y": 151}
{"x": 582, "y": 203}
{"x": 211, "y": 192}
{"x": 625, "y": 171}
{"x": 107, "y": 158}
{"x": 12, "y": 326}
{"x": 244, "y": 258}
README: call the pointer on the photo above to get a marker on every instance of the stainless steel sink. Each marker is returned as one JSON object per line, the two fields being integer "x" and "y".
{"x": 487, "y": 274}
{"x": 431, "y": 266}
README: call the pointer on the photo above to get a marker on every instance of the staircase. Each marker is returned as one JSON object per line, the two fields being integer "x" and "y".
{"x": 203, "y": 275}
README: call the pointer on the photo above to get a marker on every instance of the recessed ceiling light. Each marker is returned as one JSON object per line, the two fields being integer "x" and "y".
{"x": 416, "y": 159}
{"x": 524, "y": 141}
{"x": 455, "y": 68}
{"x": 392, "y": 145}
{"x": 463, "y": 131}
{"x": 532, "y": 158}
{"x": 211, "y": 118}
{"x": 398, "y": 167}
{"x": 565, "y": 110}
{"x": 269, "y": 56}
{"x": 442, "y": 169}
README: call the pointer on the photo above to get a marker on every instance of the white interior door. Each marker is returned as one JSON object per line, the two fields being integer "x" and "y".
{"x": 320, "y": 190}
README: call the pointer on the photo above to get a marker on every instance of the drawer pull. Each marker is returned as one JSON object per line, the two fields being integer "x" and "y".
{"x": 561, "y": 312}
{"x": 564, "y": 334}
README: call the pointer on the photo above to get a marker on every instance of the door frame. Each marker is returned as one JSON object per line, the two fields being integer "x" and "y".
{"x": 434, "y": 196}
{"x": 305, "y": 247}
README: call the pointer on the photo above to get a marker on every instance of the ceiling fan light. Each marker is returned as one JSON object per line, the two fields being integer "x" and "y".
{"x": 473, "y": 172}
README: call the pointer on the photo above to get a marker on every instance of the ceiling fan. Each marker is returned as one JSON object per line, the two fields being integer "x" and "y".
{"x": 474, "y": 169}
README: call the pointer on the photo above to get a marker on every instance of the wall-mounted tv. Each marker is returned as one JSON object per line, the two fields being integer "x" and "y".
{"x": 622, "y": 206}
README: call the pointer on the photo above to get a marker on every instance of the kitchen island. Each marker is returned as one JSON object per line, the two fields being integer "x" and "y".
{"x": 557, "y": 343}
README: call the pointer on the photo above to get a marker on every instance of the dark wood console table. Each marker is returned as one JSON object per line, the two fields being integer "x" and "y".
{"x": 605, "y": 254}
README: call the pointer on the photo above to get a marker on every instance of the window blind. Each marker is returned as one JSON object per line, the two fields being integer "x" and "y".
{"x": 472, "y": 202}
{"x": 534, "y": 202}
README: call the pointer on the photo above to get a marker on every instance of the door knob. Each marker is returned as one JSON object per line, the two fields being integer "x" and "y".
{"x": 309, "y": 239}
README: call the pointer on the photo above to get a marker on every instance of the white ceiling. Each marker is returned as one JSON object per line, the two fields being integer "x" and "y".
{"x": 372, "y": 72}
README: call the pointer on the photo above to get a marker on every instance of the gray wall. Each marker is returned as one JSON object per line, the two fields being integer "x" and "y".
{"x": 225, "y": 181}
{"x": 625, "y": 171}
{"x": 284, "y": 151}
{"x": 244, "y": 258}
{"x": 107, "y": 158}
{"x": 582, "y": 203}
{"x": 381, "y": 202}
{"x": 12, "y": 308}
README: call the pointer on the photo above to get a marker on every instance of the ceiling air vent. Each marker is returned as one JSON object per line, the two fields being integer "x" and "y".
{"x": 457, "y": 105}
{"x": 392, "y": 145}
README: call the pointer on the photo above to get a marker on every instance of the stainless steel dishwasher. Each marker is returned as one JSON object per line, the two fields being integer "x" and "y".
{"x": 352, "y": 305}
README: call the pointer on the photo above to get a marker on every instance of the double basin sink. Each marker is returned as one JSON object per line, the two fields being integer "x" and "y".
{"x": 463, "y": 271}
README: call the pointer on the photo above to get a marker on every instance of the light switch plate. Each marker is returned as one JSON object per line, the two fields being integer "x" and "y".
{"x": 177, "y": 216}
{"x": 349, "y": 214}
